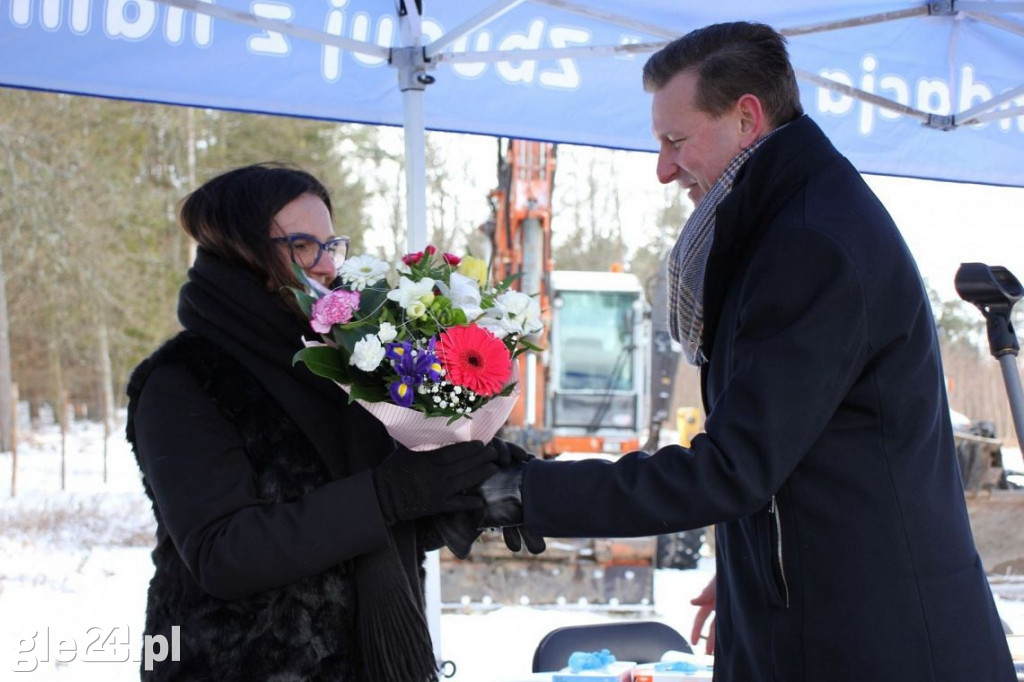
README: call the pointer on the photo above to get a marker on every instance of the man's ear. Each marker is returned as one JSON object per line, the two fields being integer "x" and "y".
{"x": 752, "y": 121}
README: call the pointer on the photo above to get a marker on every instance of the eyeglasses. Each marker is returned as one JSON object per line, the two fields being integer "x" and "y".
{"x": 306, "y": 249}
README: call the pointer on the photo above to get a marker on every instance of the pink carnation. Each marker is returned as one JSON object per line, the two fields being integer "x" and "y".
{"x": 412, "y": 258}
{"x": 336, "y": 307}
{"x": 451, "y": 259}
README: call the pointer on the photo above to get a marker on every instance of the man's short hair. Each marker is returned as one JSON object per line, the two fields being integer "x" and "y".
{"x": 731, "y": 60}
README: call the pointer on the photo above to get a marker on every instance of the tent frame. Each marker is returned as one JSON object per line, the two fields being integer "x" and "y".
{"x": 413, "y": 61}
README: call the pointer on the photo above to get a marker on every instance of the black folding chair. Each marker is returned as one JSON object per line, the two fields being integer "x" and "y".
{"x": 640, "y": 641}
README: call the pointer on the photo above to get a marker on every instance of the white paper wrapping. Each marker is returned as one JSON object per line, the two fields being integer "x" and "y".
{"x": 417, "y": 431}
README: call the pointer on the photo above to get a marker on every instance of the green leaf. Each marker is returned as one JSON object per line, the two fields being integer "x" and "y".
{"x": 304, "y": 300}
{"x": 372, "y": 298}
{"x": 370, "y": 391}
{"x": 323, "y": 361}
{"x": 507, "y": 282}
{"x": 346, "y": 337}
{"x": 530, "y": 346}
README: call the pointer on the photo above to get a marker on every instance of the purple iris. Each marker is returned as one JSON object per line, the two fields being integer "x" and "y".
{"x": 431, "y": 365}
{"x": 413, "y": 367}
{"x": 402, "y": 392}
{"x": 396, "y": 351}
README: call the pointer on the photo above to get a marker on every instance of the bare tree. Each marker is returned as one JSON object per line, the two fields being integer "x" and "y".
{"x": 7, "y": 408}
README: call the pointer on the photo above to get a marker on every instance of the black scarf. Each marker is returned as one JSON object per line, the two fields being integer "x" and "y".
{"x": 228, "y": 304}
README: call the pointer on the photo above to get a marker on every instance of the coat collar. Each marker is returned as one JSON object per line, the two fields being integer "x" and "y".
{"x": 766, "y": 183}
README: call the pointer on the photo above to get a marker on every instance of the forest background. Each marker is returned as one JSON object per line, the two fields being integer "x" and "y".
{"x": 91, "y": 257}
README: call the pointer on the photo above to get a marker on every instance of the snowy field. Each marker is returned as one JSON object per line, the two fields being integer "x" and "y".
{"x": 74, "y": 568}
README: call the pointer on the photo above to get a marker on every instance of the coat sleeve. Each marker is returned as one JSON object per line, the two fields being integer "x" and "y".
{"x": 234, "y": 543}
{"x": 798, "y": 346}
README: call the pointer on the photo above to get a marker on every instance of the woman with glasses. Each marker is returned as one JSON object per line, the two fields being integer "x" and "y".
{"x": 290, "y": 527}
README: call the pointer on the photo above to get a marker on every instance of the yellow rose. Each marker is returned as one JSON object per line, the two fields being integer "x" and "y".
{"x": 474, "y": 268}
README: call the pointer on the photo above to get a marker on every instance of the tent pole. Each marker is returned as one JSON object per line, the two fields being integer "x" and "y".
{"x": 470, "y": 25}
{"x": 411, "y": 63}
{"x": 854, "y": 22}
{"x": 415, "y": 169}
{"x": 968, "y": 115}
{"x": 999, "y": 7}
{"x": 857, "y": 93}
{"x": 999, "y": 22}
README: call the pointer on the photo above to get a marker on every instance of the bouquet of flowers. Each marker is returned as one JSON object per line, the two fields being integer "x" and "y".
{"x": 427, "y": 346}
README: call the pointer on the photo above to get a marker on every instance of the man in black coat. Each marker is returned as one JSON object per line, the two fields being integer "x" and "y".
{"x": 828, "y": 468}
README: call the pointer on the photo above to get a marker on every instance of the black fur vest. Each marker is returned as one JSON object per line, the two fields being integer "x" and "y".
{"x": 298, "y": 633}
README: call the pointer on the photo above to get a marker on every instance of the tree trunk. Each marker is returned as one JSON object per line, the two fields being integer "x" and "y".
{"x": 62, "y": 402}
{"x": 7, "y": 406}
{"x": 61, "y": 399}
{"x": 106, "y": 389}
{"x": 14, "y": 443}
{"x": 191, "y": 122}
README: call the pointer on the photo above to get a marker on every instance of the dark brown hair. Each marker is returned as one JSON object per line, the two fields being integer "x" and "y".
{"x": 731, "y": 60}
{"x": 232, "y": 214}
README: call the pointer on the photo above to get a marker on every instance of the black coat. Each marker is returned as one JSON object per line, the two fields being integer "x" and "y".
{"x": 843, "y": 545}
{"x": 254, "y": 538}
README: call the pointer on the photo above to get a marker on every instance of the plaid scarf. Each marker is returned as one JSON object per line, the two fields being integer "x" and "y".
{"x": 689, "y": 259}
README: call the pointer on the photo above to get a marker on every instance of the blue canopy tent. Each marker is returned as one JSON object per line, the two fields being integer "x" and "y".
{"x": 902, "y": 87}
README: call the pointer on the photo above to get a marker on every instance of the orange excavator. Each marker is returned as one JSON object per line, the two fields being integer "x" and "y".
{"x": 587, "y": 392}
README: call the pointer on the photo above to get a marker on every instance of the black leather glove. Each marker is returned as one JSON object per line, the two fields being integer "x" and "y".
{"x": 459, "y": 530}
{"x": 412, "y": 484}
{"x": 517, "y": 536}
{"x": 503, "y": 497}
{"x": 509, "y": 453}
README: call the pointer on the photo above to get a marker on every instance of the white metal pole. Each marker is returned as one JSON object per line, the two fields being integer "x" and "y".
{"x": 415, "y": 169}
{"x": 416, "y": 221}
{"x": 412, "y": 80}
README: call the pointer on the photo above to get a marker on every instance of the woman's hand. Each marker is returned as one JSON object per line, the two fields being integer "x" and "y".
{"x": 413, "y": 484}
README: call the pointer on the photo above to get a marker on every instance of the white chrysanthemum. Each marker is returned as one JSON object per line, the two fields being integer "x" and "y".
{"x": 367, "y": 353}
{"x": 361, "y": 270}
{"x": 387, "y": 332}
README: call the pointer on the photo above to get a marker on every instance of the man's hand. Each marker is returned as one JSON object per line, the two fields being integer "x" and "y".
{"x": 517, "y": 536}
{"x": 706, "y": 601}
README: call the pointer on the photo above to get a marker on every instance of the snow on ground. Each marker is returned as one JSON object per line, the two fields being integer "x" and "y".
{"x": 75, "y": 566}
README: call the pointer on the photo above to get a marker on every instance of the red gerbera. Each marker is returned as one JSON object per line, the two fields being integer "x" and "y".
{"x": 475, "y": 359}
